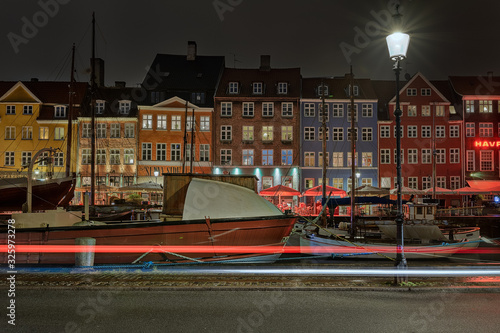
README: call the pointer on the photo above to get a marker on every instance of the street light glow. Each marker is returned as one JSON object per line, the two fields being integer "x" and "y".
{"x": 397, "y": 44}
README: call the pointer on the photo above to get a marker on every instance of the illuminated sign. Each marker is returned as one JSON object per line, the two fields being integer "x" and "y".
{"x": 486, "y": 144}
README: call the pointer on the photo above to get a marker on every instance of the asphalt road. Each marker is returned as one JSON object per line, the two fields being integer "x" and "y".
{"x": 120, "y": 310}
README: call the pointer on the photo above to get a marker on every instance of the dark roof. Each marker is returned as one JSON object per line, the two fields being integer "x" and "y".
{"x": 338, "y": 87}
{"x": 385, "y": 91}
{"x": 112, "y": 96}
{"x": 445, "y": 88}
{"x": 476, "y": 85}
{"x": 270, "y": 79}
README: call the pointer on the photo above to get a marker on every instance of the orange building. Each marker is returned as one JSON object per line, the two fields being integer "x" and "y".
{"x": 166, "y": 132}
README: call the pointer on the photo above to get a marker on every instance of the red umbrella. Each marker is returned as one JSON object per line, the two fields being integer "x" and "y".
{"x": 279, "y": 191}
{"x": 318, "y": 190}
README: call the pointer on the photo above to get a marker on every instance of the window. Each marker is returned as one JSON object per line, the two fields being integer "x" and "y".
{"x": 412, "y": 110}
{"x": 454, "y": 182}
{"x": 454, "y": 155}
{"x": 129, "y": 130}
{"x": 412, "y": 132}
{"x": 320, "y": 112}
{"x": 411, "y": 92}
{"x": 309, "y": 109}
{"x": 366, "y": 134}
{"x": 385, "y": 182}
{"x": 25, "y": 158}
{"x": 267, "y": 133}
{"x": 309, "y": 182}
{"x": 486, "y": 130}
{"x": 366, "y": 159}
{"x": 413, "y": 156}
{"x": 426, "y": 131}
{"x": 257, "y": 88}
{"x": 225, "y": 156}
{"x": 402, "y": 131}
{"x": 44, "y": 133}
{"x": 471, "y": 160}
{"x": 322, "y": 90}
{"x": 426, "y": 156}
{"x": 338, "y": 183}
{"x": 43, "y": 159}
{"x": 355, "y": 92}
{"x": 204, "y": 153}
{"x": 469, "y": 106}
{"x": 9, "y": 158}
{"x": 247, "y": 155}
{"x": 349, "y": 112}
{"x": 338, "y": 159}
{"x": 198, "y": 98}
{"x": 99, "y": 106}
{"x": 175, "y": 123}
{"x": 338, "y": 134}
{"x": 454, "y": 131}
{"x": 10, "y": 132}
{"x": 349, "y": 159}
{"x": 286, "y": 133}
{"x": 28, "y": 109}
{"x": 309, "y": 159}
{"x": 124, "y": 107}
{"x": 101, "y": 130}
{"x": 402, "y": 156}
{"x": 441, "y": 181}
{"x": 100, "y": 156}
{"x": 366, "y": 182}
{"x": 440, "y": 156}
{"x": 188, "y": 153}
{"x": 320, "y": 159}
{"x": 320, "y": 134}
{"x": 267, "y": 157}
{"x": 59, "y": 159}
{"x": 114, "y": 130}
{"x": 100, "y": 180}
{"x": 486, "y": 160}
{"x": 413, "y": 182}
{"x": 385, "y": 131}
{"x": 267, "y": 109}
{"x": 367, "y": 110}
{"x": 470, "y": 130}
{"x": 485, "y": 106}
{"x": 247, "y": 133}
{"x": 114, "y": 181}
{"x": 86, "y": 156}
{"x": 86, "y": 130}
{"x": 349, "y": 134}
{"x": 161, "y": 122}
{"x": 426, "y": 183}
{"x": 233, "y": 87}
{"x": 128, "y": 156}
{"x": 27, "y": 133}
{"x": 147, "y": 121}
{"x": 226, "y": 109}
{"x": 440, "y": 132}
{"x": 190, "y": 123}
{"x": 309, "y": 133}
{"x": 426, "y": 110}
{"x": 248, "y": 109}
{"x": 338, "y": 110}
{"x": 425, "y": 91}
{"x": 161, "y": 151}
{"x": 204, "y": 123}
{"x": 175, "y": 151}
{"x": 286, "y": 156}
{"x": 439, "y": 110}
{"x": 146, "y": 151}
{"x": 11, "y": 109}
{"x": 59, "y": 111}
{"x": 59, "y": 133}
{"x": 282, "y": 88}
{"x": 128, "y": 180}
{"x": 385, "y": 156}
{"x": 226, "y": 133}
{"x": 287, "y": 109}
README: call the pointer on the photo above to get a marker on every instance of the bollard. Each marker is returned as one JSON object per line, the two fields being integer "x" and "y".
{"x": 85, "y": 258}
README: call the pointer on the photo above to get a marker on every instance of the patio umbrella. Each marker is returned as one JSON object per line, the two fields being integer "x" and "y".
{"x": 142, "y": 187}
{"x": 407, "y": 190}
{"x": 440, "y": 190}
{"x": 279, "y": 190}
{"x": 368, "y": 190}
{"x": 318, "y": 190}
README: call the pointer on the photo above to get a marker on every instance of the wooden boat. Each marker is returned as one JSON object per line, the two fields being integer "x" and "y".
{"x": 213, "y": 213}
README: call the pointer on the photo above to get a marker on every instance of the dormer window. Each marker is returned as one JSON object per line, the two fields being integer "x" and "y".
{"x": 257, "y": 88}
{"x": 282, "y": 88}
{"x": 322, "y": 90}
{"x": 124, "y": 107}
{"x": 99, "y": 106}
{"x": 233, "y": 87}
{"x": 355, "y": 91}
{"x": 60, "y": 111}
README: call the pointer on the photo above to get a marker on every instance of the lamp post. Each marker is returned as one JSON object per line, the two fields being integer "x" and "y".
{"x": 358, "y": 174}
{"x": 397, "y": 44}
{"x": 156, "y": 173}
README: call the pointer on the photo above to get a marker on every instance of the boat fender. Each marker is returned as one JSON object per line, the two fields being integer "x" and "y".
{"x": 310, "y": 236}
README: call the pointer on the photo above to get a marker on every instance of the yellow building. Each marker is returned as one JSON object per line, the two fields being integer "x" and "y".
{"x": 33, "y": 116}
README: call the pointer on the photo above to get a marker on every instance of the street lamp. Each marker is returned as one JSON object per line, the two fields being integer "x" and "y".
{"x": 156, "y": 173}
{"x": 358, "y": 174}
{"x": 398, "y": 45}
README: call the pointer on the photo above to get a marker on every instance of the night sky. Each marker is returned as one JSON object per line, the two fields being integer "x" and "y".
{"x": 448, "y": 37}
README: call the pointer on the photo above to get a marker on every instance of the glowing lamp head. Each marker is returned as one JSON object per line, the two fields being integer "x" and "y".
{"x": 398, "y": 45}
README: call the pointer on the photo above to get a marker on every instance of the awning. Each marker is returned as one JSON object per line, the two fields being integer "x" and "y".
{"x": 318, "y": 191}
{"x": 480, "y": 187}
{"x": 440, "y": 190}
{"x": 367, "y": 190}
{"x": 407, "y": 190}
{"x": 279, "y": 191}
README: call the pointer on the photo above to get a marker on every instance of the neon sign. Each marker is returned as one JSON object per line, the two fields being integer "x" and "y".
{"x": 485, "y": 144}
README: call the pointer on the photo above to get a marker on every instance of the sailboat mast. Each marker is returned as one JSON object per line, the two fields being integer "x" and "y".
{"x": 323, "y": 129}
{"x": 70, "y": 114}
{"x": 434, "y": 153}
{"x": 353, "y": 158}
{"x": 92, "y": 123}
{"x": 185, "y": 140}
{"x": 192, "y": 145}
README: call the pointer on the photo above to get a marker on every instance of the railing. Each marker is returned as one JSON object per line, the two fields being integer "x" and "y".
{"x": 461, "y": 211}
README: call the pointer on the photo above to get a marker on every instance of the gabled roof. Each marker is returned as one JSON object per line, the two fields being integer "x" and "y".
{"x": 28, "y": 95}
{"x": 175, "y": 102}
{"x": 476, "y": 85}
{"x": 385, "y": 91}
{"x": 338, "y": 87}
{"x": 410, "y": 82}
{"x": 270, "y": 78}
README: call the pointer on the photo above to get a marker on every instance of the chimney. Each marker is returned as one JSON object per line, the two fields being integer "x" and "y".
{"x": 265, "y": 63}
{"x": 99, "y": 71}
{"x": 120, "y": 84}
{"x": 191, "y": 52}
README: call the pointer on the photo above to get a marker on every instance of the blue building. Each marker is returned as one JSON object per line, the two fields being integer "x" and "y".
{"x": 338, "y": 131}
